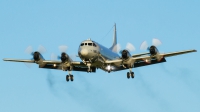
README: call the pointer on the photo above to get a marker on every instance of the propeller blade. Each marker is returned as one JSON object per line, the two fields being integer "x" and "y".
{"x": 144, "y": 45}
{"x": 59, "y": 57}
{"x": 62, "y": 48}
{"x": 156, "y": 42}
{"x": 41, "y": 49}
{"x": 29, "y": 65}
{"x": 73, "y": 56}
{"x": 130, "y": 47}
{"x": 29, "y": 50}
{"x": 117, "y": 48}
{"x": 54, "y": 56}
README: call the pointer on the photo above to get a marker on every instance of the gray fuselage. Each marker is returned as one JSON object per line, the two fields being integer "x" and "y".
{"x": 95, "y": 53}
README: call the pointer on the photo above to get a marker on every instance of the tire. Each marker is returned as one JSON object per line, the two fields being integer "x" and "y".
{"x": 67, "y": 78}
{"x": 72, "y": 78}
{"x": 128, "y": 75}
{"x": 132, "y": 74}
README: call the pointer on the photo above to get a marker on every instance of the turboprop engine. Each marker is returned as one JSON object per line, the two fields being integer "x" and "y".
{"x": 64, "y": 57}
{"x": 125, "y": 54}
{"x": 153, "y": 50}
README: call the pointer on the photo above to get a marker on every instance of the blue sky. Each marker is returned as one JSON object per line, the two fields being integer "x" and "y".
{"x": 172, "y": 86}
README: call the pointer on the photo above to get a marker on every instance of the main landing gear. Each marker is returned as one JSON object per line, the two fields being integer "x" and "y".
{"x": 69, "y": 78}
{"x": 130, "y": 74}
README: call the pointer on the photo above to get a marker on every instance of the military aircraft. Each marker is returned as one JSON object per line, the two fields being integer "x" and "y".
{"x": 96, "y": 56}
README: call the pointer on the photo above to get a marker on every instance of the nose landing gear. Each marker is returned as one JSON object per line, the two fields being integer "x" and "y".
{"x": 89, "y": 68}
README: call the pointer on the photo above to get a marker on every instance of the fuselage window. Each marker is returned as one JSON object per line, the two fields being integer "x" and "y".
{"x": 82, "y": 44}
{"x": 85, "y": 44}
{"x": 90, "y": 44}
{"x": 94, "y": 44}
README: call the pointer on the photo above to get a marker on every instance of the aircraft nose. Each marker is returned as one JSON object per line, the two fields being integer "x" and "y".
{"x": 84, "y": 52}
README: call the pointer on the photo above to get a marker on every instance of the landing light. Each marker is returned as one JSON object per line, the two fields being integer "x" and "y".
{"x": 54, "y": 65}
{"x": 109, "y": 68}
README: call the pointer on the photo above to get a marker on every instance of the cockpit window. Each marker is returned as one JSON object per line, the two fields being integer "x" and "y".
{"x": 82, "y": 44}
{"x": 90, "y": 44}
{"x": 94, "y": 45}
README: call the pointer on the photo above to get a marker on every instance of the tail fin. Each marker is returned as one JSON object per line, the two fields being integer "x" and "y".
{"x": 113, "y": 47}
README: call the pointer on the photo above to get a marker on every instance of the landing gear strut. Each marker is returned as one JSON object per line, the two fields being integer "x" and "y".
{"x": 89, "y": 68}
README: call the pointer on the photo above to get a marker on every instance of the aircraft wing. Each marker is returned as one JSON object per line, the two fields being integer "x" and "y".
{"x": 139, "y": 60}
{"x": 59, "y": 62}
{"x": 165, "y": 54}
{"x": 137, "y": 55}
{"x": 77, "y": 63}
{"x": 120, "y": 60}
{"x": 19, "y": 60}
{"x": 54, "y": 64}
{"x": 178, "y": 53}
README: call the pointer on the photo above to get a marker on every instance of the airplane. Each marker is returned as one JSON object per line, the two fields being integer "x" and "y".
{"x": 96, "y": 56}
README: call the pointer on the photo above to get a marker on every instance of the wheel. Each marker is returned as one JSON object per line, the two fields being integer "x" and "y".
{"x": 109, "y": 71}
{"x": 132, "y": 74}
{"x": 67, "y": 78}
{"x": 72, "y": 77}
{"x": 128, "y": 75}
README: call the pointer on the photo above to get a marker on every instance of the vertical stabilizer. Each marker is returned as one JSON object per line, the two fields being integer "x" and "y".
{"x": 113, "y": 48}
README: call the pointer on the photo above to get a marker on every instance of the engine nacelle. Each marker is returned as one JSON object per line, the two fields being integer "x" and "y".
{"x": 36, "y": 56}
{"x": 153, "y": 50}
{"x": 64, "y": 57}
{"x": 127, "y": 61}
{"x": 125, "y": 54}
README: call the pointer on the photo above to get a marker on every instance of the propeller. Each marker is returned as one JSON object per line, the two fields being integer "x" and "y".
{"x": 152, "y": 49}
{"x": 35, "y": 54}
{"x": 64, "y": 56}
{"x": 63, "y": 48}
{"x": 130, "y": 47}
{"x": 29, "y": 50}
{"x": 155, "y": 42}
{"x": 54, "y": 57}
{"x": 41, "y": 49}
